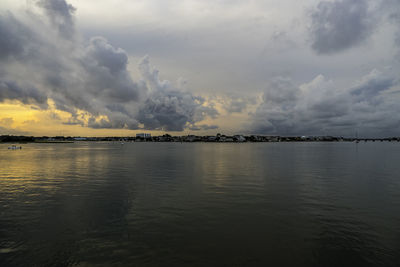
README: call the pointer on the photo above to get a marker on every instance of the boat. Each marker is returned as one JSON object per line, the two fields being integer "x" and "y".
{"x": 14, "y": 147}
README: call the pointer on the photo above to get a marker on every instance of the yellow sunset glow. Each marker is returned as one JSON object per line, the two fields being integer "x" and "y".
{"x": 18, "y": 118}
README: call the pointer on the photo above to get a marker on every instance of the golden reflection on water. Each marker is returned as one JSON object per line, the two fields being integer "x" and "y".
{"x": 45, "y": 167}
{"x": 224, "y": 166}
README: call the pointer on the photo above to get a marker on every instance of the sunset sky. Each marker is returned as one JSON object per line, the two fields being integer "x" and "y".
{"x": 119, "y": 67}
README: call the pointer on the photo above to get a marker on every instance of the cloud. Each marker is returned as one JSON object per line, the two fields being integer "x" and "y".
{"x": 43, "y": 58}
{"x": 15, "y": 38}
{"x": 319, "y": 107}
{"x": 60, "y": 14}
{"x": 88, "y": 79}
{"x": 340, "y": 24}
{"x": 7, "y": 129}
{"x": 167, "y": 108}
{"x": 392, "y": 8}
{"x": 236, "y": 105}
{"x": 106, "y": 72}
{"x": 11, "y": 131}
{"x": 203, "y": 127}
{"x": 10, "y": 90}
{"x": 6, "y": 121}
{"x": 281, "y": 91}
{"x": 233, "y": 103}
{"x": 371, "y": 86}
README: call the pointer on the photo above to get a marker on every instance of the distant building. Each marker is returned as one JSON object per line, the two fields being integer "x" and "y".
{"x": 190, "y": 138}
{"x": 239, "y": 138}
{"x": 211, "y": 138}
{"x": 143, "y": 135}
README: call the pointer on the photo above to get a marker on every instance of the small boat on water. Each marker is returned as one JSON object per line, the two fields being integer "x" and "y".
{"x": 14, "y": 147}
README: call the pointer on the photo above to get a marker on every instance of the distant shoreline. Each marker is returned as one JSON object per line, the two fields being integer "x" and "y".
{"x": 52, "y": 142}
{"x": 219, "y": 138}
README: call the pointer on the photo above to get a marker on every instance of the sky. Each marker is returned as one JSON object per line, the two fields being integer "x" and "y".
{"x": 270, "y": 67}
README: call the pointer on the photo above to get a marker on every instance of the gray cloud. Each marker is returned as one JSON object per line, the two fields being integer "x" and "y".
{"x": 281, "y": 91}
{"x": 392, "y": 8}
{"x": 60, "y": 14}
{"x": 237, "y": 104}
{"x": 15, "y": 38}
{"x": 167, "y": 108}
{"x": 10, "y": 90}
{"x": 371, "y": 86}
{"x": 88, "y": 80}
{"x": 340, "y": 24}
{"x": 321, "y": 108}
{"x": 107, "y": 75}
{"x": 203, "y": 127}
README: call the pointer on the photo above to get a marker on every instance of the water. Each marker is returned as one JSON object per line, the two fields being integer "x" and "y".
{"x": 201, "y": 204}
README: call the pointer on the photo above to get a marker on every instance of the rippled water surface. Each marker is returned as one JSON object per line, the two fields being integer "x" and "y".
{"x": 201, "y": 204}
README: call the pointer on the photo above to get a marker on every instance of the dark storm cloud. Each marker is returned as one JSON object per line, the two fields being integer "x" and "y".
{"x": 108, "y": 76}
{"x": 340, "y": 24}
{"x": 318, "y": 107}
{"x": 113, "y": 59}
{"x": 114, "y": 121}
{"x": 60, "y": 14}
{"x": 10, "y": 90}
{"x": 88, "y": 80}
{"x": 167, "y": 108}
{"x": 167, "y": 111}
{"x": 14, "y": 38}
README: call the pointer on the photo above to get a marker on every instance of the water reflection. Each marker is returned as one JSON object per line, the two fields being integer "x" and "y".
{"x": 311, "y": 204}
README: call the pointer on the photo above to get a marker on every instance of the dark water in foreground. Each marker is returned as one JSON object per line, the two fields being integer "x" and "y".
{"x": 167, "y": 204}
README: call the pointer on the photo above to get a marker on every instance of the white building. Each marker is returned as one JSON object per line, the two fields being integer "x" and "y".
{"x": 143, "y": 135}
{"x": 240, "y": 138}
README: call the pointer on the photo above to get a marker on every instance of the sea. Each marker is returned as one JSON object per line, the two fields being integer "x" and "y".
{"x": 200, "y": 204}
